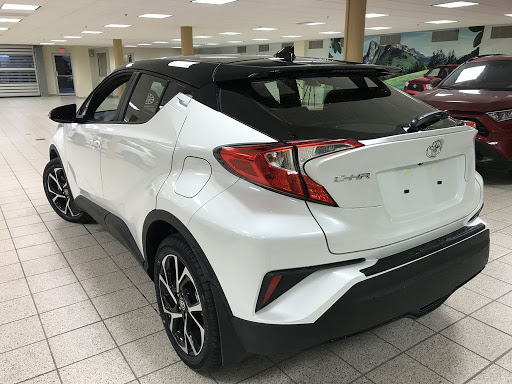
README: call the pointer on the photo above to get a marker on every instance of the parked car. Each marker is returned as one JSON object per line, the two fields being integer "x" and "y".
{"x": 429, "y": 80}
{"x": 480, "y": 91}
{"x": 271, "y": 209}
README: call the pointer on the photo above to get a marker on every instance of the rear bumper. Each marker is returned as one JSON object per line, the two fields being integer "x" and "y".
{"x": 411, "y": 289}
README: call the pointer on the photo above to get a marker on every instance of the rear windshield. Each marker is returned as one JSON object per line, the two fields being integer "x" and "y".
{"x": 301, "y": 108}
{"x": 489, "y": 75}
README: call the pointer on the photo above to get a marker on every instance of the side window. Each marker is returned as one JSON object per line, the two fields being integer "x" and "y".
{"x": 145, "y": 99}
{"x": 103, "y": 104}
{"x": 172, "y": 90}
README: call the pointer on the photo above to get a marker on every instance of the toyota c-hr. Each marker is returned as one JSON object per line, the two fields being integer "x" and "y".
{"x": 277, "y": 202}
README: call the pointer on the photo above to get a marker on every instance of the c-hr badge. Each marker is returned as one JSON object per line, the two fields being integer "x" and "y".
{"x": 361, "y": 176}
{"x": 435, "y": 149}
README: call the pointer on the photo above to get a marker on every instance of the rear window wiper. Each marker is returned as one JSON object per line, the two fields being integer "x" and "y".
{"x": 424, "y": 121}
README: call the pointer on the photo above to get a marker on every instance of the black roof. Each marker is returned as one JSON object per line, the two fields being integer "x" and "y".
{"x": 200, "y": 70}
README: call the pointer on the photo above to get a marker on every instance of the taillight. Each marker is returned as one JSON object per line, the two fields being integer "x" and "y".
{"x": 471, "y": 124}
{"x": 280, "y": 166}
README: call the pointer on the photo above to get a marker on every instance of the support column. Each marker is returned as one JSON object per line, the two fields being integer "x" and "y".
{"x": 301, "y": 48}
{"x": 118, "y": 52}
{"x": 187, "y": 42}
{"x": 354, "y": 30}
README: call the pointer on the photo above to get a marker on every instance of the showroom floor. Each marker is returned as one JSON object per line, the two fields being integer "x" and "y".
{"x": 75, "y": 307}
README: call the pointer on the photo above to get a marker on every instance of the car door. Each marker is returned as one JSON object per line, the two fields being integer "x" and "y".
{"x": 137, "y": 150}
{"x": 83, "y": 139}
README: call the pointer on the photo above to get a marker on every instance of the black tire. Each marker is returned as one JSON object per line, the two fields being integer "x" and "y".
{"x": 209, "y": 356}
{"x": 54, "y": 183}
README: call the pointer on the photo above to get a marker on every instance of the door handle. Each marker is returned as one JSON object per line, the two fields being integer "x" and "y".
{"x": 95, "y": 143}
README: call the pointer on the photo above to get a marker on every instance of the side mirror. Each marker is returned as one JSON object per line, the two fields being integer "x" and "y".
{"x": 425, "y": 74}
{"x": 64, "y": 114}
{"x": 436, "y": 82}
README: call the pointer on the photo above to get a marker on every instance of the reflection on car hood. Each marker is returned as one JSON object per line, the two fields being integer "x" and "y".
{"x": 473, "y": 100}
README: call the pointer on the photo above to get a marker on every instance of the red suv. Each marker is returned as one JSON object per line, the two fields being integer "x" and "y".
{"x": 480, "y": 90}
{"x": 429, "y": 79}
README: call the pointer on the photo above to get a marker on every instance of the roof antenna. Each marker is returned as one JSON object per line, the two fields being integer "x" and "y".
{"x": 287, "y": 53}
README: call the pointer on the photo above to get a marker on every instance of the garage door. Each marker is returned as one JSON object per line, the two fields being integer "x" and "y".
{"x": 17, "y": 71}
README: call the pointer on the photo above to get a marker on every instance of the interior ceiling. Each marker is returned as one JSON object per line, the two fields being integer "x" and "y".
{"x": 58, "y": 18}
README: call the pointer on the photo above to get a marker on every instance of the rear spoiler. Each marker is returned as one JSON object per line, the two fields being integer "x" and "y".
{"x": 300, "y": 66}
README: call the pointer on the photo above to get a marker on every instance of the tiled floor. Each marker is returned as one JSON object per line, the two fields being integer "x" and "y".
{"x": 76, "y": 308}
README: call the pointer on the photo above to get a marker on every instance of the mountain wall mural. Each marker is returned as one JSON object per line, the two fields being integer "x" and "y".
{"x": 416, "y": 51}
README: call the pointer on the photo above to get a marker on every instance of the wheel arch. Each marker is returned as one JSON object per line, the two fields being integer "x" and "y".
{"x": 54, "y": 153}
{"x": 158, "y": 225}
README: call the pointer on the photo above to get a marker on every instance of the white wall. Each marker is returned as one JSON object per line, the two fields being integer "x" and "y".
{"x": 489, "y": 45}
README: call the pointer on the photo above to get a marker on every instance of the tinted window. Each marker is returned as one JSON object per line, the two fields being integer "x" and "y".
{"x": 172, "y": 90}
{"x": 492, "y": 75}
{"x": 300, "y": 108}
{"x": 145, "y": 99}
{"x": 102, "y": 105}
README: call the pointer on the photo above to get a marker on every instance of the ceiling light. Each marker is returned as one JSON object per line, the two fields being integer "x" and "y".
{"x": 92, "y": 32}
{"x": 230, "y": 33}
{"x": 310, "y": 23}
{"x": 160, "y": 42}
{"x": 176, "y": 47}
{"x": 117, "y": 25}
{"x": 202, "y": 37}
{"x": 59, "y": 41}
{"x": 9, "y": 20}
{"x": 215, "y": 2}
{"x": 196, "y": 45}
{"x": 291, "y": 36}
{"x": 155, "y": 16}
{"x": 144, "y": 44}
{"x": 264, "y": 29}
{"x": 330, "y": 33}
{"x": 235, "y": 41}
{"x": 374, "y": 15}
{"x": 260, "y": 39}
{"x": 378, "y": 28}
{"x": 455, "y": 4}
{"x": 3, "y": 28}
{"x": 175, "y": 39}
{"x": 212, "y": 43}
{"x": 130, "y": 46}
{"x": 508, "y": 14}
{"x": 72, "y": 37}
{"x": 440, "y": 22}
{"x": 46, "y": 43}
{"x": 20, "y": 7}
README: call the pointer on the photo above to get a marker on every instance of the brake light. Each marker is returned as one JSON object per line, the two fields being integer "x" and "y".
{"x": 280, "y": 166}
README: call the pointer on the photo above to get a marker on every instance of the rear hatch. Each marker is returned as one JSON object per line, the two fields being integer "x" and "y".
{"x": 398, "y": 185}
{"x": 395, "y": 188}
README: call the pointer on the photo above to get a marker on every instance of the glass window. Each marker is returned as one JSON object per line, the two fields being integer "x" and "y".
{"x": 102, "y": 64}
{"x": 172, "y": 90}
{"x": 145, "y": 99}
{"x": 323, "y": 106}
{"x": 103, "y": 104}
{"x": 492, "y": 75}
{"x": 434, "y": 72}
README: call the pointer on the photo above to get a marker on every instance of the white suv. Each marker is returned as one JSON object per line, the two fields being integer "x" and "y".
{"x": 276, "y": 202}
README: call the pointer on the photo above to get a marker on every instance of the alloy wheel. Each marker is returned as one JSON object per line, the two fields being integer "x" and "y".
{"x": 181, "y": 305}
{"x": 60, "y": 193}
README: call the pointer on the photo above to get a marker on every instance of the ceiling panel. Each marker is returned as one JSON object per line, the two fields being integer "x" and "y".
{"x": 57, "y": 18}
